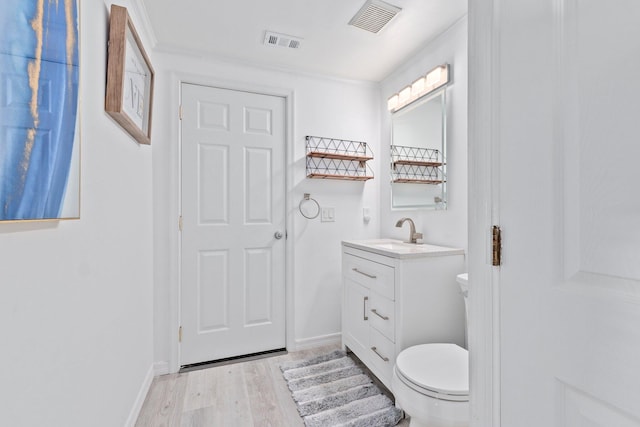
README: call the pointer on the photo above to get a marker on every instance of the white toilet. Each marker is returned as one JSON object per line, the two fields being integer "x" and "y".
{"x": 431, "y": 381}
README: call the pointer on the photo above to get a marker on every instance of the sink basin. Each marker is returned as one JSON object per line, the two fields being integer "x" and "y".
{"x": 399, "y": 249}
{"x": 394, "y": 246}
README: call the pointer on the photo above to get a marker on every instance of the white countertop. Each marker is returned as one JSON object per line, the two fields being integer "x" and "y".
{"x": 399, "y": 249}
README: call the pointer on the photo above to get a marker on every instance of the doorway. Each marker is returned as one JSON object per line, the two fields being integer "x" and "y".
{"x": 233, "y": 251}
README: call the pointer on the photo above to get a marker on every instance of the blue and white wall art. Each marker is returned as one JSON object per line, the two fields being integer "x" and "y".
{"x": 39, "y": 120}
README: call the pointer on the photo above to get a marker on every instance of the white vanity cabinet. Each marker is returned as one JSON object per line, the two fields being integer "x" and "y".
{"x": 396, "y": 296}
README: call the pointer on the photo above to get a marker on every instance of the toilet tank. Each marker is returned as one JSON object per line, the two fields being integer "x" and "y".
{"x": 463, "y": 282}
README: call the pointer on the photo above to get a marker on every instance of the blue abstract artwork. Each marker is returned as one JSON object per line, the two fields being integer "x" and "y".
{"x": 39, "y": 137}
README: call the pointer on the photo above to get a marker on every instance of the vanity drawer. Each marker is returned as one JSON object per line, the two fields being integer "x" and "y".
{"x": 382, "y": 354}
{"x": 382, "y": 315}
{"x": 378, "y": 277}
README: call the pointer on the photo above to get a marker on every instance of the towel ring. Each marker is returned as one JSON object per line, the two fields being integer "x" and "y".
{"x": 307, "y": 198}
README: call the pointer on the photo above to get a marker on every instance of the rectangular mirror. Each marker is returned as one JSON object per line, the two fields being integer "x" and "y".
{"x": 418, "y": 166}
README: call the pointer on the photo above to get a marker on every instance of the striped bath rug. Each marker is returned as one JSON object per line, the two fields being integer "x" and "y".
{"x": 330, "y": 391}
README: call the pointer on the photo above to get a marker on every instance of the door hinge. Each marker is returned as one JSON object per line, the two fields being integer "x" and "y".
{"x": 180, "y": 112}
{"x": 180, "y": 222}
{"x": 180, "y": 334}
{"x": 497, "y": 246}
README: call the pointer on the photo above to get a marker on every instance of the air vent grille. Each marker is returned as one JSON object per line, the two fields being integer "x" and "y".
{"x": 374, "y": 15}
{"x": 282, "y": 40}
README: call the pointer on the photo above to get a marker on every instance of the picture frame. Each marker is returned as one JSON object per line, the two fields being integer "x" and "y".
{"x": 40, "y": 111}
{"x": 130, "y": 75}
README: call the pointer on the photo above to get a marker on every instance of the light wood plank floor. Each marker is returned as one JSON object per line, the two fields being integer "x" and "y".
{"x": 244, "y": 394}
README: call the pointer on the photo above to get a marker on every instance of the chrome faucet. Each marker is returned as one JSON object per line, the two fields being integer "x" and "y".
{"x": 413, "y": 236}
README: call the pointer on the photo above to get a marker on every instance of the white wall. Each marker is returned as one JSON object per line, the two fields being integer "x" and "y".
{"x": 445, "y": 227}
{"x": 76, "y": 304}
{"x": 321, "y": 107}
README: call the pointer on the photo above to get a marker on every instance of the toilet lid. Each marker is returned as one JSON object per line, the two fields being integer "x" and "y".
{"x": 439, "y": 368}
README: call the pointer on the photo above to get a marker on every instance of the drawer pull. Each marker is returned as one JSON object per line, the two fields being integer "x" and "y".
{"x": 370, "y": 276}
{"x": 375, "y": 350}
{"x": 364, "y": 308}
{"x": 374, "y": 311}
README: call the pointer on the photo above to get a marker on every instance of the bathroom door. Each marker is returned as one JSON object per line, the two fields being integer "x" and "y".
{"x": 568, "y": 147}
{"x": 233, "y": 219}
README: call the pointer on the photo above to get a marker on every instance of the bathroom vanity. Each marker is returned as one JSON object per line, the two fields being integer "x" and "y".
{"x": 396, "y": 295}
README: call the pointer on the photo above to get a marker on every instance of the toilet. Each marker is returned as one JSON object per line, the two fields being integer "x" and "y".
{"x": 431, "y": 381}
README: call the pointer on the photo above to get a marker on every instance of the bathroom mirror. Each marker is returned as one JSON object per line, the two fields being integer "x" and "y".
{"x": 418, "y": 166}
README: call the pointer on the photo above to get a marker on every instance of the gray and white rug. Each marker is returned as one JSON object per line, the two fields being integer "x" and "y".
{"x": 330, "y": 391}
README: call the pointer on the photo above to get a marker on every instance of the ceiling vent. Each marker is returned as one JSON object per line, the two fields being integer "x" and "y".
{"x": 374, "y": 15}
{"x": 281, "y": 40}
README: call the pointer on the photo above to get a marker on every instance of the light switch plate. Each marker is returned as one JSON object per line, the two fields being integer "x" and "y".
{"x": 366, "y": 215}
{"x": 328, "y": 215}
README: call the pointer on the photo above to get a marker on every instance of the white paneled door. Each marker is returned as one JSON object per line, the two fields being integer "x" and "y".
{"x": 568, "y": 89}
{"x": 233, "y": 219}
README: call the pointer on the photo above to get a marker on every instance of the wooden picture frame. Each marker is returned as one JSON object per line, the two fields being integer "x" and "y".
{"x": 129, "y": 94}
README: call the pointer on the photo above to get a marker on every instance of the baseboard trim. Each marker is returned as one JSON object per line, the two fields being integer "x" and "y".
{"x": 305, "y": 343}
{"x": 142, "y": 395}
{"x": 161, "y": 368}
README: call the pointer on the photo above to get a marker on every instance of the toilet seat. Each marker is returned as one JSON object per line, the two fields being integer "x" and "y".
{"x": 436, "y": 370}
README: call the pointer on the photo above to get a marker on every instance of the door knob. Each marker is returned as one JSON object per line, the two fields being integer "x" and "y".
{"x": 278, "y": 235}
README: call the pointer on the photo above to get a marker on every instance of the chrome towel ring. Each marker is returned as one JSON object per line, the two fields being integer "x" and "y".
{"x": 312, "y": 212}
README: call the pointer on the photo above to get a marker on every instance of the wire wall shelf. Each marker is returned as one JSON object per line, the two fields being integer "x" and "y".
{"x": 329, "y": 158}
{"x": 417, "y": 165}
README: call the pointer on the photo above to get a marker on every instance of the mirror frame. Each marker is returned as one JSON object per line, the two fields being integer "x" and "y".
{"x": 420, "y": 166}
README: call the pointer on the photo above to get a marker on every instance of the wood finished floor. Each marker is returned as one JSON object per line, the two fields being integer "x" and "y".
{"x": 244, "y": 394}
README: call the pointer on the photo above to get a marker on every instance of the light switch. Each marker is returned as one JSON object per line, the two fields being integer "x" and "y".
{"x": 366, "y": 215}
{"x": 328, "y": 215}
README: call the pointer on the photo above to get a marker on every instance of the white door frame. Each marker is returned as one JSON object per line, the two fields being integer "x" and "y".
{"x": 176, "y": 80}
{"x": 484, "y": 204}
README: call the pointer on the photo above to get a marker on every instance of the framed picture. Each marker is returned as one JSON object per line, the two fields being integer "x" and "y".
{"x": 129, "y": 95}
{"x": 39, "y": 110}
